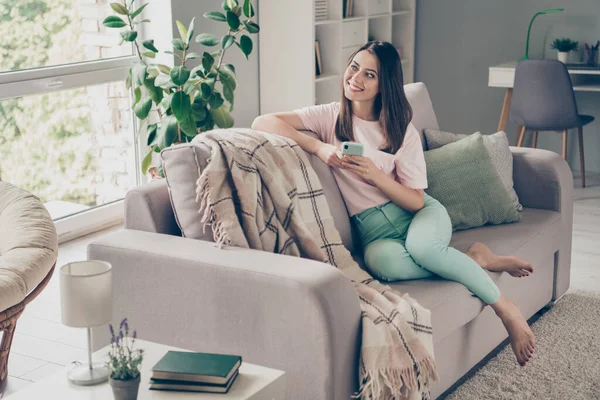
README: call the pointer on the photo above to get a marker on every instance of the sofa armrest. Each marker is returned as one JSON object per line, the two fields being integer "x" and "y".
{"x": 148, "y": 208}
{"x": 542, "y": 179}
{"x": 289, "y": 313}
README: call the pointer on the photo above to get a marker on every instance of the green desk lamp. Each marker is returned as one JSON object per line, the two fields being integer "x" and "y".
{"x": 549, "y": 11}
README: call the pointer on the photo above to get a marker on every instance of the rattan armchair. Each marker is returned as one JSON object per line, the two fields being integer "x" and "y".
{"x": 28, "y": 252}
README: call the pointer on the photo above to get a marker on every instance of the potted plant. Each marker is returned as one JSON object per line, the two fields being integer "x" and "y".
{"x": 564, "y": 46}
{"x": 124, "y": 363}
{"x": 185, "y": 101}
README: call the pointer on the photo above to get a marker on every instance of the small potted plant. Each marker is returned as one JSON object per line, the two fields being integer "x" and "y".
{"x": 564, "y": 46}
{"x": 124, "y": 363}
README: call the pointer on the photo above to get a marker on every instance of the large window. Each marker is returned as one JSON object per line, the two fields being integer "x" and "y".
{"x": 66, "y": 126}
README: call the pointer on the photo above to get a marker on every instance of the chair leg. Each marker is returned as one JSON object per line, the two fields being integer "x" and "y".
{"x": 534, "y": 141}
{"x": 564, "y": 145}
{"x": 581, "y": 160}
{"x": 7, "y": 336}
{"x": 521, "y": 136}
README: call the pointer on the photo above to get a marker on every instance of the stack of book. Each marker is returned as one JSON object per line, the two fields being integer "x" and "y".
{"x": 348, "y": 8}
{"x": 320, "y": 10}
{"x": 195, "y": 372}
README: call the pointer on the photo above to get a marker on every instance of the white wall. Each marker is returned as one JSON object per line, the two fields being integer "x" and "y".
{"x": 458, "y": 40}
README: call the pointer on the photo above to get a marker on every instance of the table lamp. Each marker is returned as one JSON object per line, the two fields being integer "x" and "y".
{"x": 86, "y": 301}
{"x": 549, "y": 11}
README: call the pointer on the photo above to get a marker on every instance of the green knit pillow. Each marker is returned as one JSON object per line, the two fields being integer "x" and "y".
{"x": 463, "y": 178}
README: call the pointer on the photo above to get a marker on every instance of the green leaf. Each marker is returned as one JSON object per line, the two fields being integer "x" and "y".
{"x": 182, "y": 109}
{"x": 231, "y": 4}
{"x": 207, "y": 39}
{"x": 246, "y": 45}
{"x": 155, "y": 93}
{"x": 227, "y": 77}
{"x": 149, "y": 44}
{"x": 128, "y": 80}
{"x": 233, "y": 21}
{"x": 119, "y": 8}
{"x": 178, "y": 44}
{"x": 248, "y": 9}
{"x": 227, "y": 41}
{"x": 142, "y": 109}
{"x": 228, "y": 93}
{"x": 151, "y": 130}
{"x": 206, "y": 91}
{"x": 221, "y": 117}
{"x": 165, "y": 69}
{"x": 138, "y": 11}
{"x": 199, "y": 109}
{"x": 182, "y": 30}
{"x": 167, "y": 132}
{"x": 230, "y": 67}
{"x": 129, "y": 36}
{"x": 191, "y": 56}
{"x": 113, "y": 22}
{"x": 137, "y": 93}
{"x": 149, "y": 54}
{"x": 207, "y": 62}
{"x": 166, "y": 102}
{"x": 153, "y": 71}
{"x": 162, "y": 80}
{"x": 190, "y": 31}
{"x": 252, "y": 27}
{"x": 139, "y": 73}
{"x": 146, "y": 162}
{"x": 237, "y": 11}
{"x": 180, "y": 75}
{"x": 215, "y": 100}
{"x": 215, "y": 16}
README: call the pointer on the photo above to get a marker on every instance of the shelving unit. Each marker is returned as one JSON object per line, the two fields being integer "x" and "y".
{"x": 287, "y": 50}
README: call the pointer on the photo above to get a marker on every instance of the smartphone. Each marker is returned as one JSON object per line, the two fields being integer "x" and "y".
{"x": 352, "y": 148}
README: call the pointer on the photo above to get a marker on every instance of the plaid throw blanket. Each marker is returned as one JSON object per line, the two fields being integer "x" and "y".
{"x": 259, "y": 191}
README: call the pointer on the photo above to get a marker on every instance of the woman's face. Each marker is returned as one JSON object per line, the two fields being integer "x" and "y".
{"x": 361, "y": 78}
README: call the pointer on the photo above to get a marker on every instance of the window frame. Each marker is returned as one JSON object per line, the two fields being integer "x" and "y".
{"x": 54, "y": 78}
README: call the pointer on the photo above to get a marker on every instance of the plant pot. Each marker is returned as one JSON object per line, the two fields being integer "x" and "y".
{"x": 563, "y": 56}
{"x": 125, "y": 390}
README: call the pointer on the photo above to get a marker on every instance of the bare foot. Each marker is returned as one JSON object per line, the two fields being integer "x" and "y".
{"x": 522, "y": 339}
{"x": 488, "y": 260}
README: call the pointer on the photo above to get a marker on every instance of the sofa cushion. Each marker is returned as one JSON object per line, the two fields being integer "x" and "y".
{"x": 498, "y": 147}
{"x": 534, "y": 239}
{"x": 463, "y": 178}
{"x": 28, "y": 244}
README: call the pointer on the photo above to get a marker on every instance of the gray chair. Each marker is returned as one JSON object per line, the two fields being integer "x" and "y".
{"x": 543, "y": 100}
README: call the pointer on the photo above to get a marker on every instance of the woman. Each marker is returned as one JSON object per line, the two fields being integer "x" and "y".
{"x": 404, "y": 232}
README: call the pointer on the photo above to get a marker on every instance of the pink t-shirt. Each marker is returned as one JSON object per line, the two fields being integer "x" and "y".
{"x": 407, "y": 166}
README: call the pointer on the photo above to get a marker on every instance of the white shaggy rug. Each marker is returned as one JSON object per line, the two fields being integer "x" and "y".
{"x": 566, "y": 364}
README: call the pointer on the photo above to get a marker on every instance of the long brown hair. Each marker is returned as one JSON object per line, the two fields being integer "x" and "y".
{"x": 391, "y": 104}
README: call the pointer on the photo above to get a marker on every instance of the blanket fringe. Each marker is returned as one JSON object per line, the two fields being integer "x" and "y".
{"x": 208, "y": 214}
{"x": 395, "y": 383}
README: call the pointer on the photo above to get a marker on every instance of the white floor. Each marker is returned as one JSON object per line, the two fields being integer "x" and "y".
{"x": 42, "y": 344}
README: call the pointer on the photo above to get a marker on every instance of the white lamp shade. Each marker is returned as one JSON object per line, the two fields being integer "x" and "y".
{"x": 86, "y": 293}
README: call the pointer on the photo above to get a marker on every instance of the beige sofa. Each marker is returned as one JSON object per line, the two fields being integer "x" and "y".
{"x": 189, "y": 293}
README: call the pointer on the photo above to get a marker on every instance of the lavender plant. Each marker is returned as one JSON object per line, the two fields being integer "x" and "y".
{"x": 124, "y": 361}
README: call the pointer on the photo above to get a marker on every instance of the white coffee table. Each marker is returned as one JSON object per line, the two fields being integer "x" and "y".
{"x": 253, "y": 382}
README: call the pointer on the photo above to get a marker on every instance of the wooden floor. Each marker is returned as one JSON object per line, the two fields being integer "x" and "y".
{"x": 42, "y": 344}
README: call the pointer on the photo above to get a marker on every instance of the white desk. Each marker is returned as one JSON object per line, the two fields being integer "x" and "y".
{"x": 503, "y": 76}
{"x": 253, "y": 383}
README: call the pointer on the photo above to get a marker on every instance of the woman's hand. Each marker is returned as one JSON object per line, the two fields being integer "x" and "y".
{"x": 328, "y": 154}
{"x": 363, "y": 167}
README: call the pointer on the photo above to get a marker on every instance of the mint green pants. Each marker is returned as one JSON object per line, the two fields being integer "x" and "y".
{"x": 399, "y": 245}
